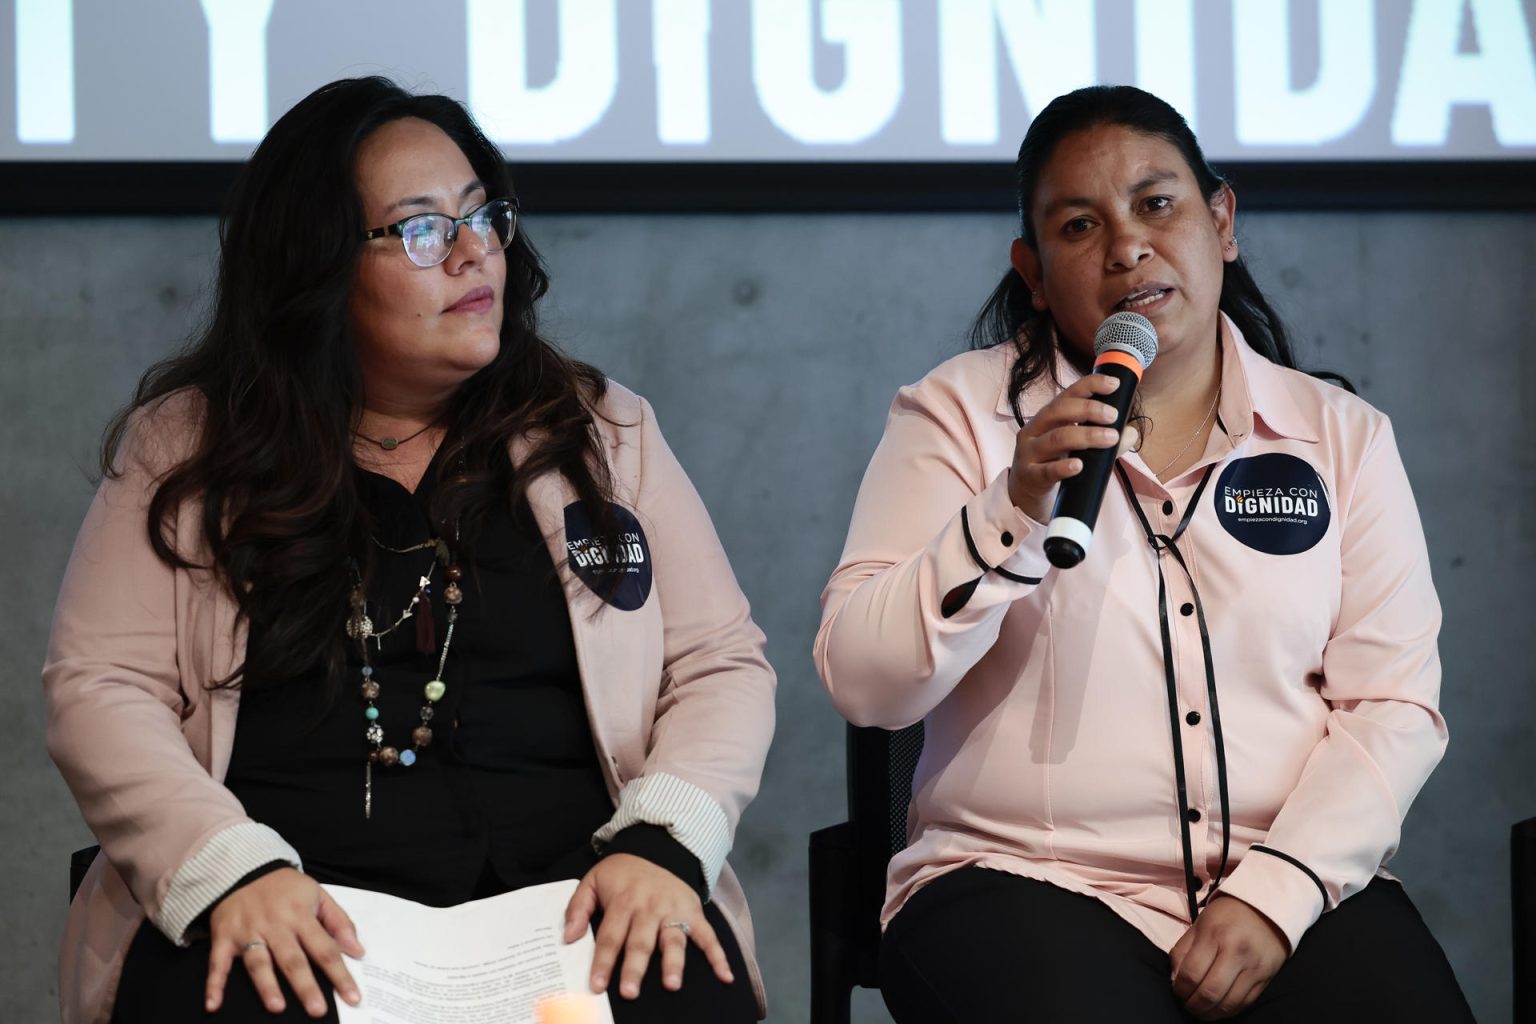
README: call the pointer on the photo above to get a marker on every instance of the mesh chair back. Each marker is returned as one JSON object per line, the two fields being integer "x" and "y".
{"x": 880, "y": 767}
{"x": 848, "y": 865}
{"x": 905, "y": 746}
{"x": 79, "y": 863}
{"x": 1522, "y": 891}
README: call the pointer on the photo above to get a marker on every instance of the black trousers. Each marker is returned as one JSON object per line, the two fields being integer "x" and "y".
{"x": 163, "y": 984}
{"x": 981, "y": 945}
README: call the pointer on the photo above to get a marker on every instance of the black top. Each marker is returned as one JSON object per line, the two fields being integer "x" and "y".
{"x": 510, "y": 790}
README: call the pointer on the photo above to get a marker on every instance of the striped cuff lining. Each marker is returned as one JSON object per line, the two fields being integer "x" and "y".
{"x": 228, "y": 857}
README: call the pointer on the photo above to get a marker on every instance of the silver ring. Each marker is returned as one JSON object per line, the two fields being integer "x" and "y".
{"x": 683, "y": 925}
{"x": 258, "y": 944}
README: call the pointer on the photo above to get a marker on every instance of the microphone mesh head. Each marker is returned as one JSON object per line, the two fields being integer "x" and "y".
{"x": 1127, "y": 332}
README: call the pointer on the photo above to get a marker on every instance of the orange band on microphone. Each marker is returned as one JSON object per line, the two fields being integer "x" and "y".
{"x": 1119, "y": 358}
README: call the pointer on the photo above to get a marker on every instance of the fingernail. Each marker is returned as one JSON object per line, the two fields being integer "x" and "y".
{"x": 599, "y": 982}
{"x": 629, "y": 990}
{"x": 210, "y": 1005}
{"x": 673, "y": 981}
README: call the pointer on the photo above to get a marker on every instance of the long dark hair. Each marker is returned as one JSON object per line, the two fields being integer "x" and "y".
{"x": 1008, "y": 316}
{"x": 281, "y": 391}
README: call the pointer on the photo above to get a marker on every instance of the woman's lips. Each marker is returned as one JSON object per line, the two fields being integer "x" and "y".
{"x": 1145, "y": 301}
{"x": 477, "y": 301}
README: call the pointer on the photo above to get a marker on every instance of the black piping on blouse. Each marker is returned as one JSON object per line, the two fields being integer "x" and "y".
{"x": 1256, "y": 848}
{"x": 1159, "y": 543}
{"x": 958, "y": 597}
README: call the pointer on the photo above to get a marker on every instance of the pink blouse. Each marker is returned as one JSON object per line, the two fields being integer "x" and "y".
{"x": 1079, "y": 732}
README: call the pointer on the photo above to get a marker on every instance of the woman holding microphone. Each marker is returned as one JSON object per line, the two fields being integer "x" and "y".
{"x": 1163, "y": 783}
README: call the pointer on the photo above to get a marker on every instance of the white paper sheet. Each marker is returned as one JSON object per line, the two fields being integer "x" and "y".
{"x": 485, "y": 962}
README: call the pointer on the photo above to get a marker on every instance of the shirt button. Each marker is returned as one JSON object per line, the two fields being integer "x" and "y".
{"x": 1007, "y": 539}
{"x": 1167, "y": 508}
{"x": 1194, "y": 815}
{"x": 1186, "y": 609}
{"x": 1193, "y": 718}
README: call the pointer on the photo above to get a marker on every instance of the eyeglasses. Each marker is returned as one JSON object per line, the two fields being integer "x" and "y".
{"x": 428, "y": 237}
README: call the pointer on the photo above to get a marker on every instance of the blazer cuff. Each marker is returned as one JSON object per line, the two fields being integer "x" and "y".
{"x": 1002, "y": 538}
{"x": 999, "y": 547}
{"x": 688, "y": 813}
{"x": 212, "y": 871}
{"x": 1281, "y": 888}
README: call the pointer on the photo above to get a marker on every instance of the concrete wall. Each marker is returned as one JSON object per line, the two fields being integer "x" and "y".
{"x": 771, "y": 347}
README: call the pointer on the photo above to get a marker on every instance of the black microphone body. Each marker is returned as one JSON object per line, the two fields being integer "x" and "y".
{"x": 1124, "y": 345}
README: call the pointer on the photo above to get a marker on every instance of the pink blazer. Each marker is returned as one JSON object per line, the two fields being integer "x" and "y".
{"x": 679, "y": 696}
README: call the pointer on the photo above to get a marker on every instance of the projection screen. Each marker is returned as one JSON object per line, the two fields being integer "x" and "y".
{"x": 705, "y": 95}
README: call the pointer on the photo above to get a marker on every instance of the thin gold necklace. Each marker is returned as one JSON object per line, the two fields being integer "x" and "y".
{"x": 1198, "y": 431}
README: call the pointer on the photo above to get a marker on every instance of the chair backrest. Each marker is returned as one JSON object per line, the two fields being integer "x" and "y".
{"x": 880, "y": 768}
{"x": 1522, "y": 892}
{"x": 79, "y": 863}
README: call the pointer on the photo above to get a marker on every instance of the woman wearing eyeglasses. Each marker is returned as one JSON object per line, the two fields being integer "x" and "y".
{"x": 380, "y": 589}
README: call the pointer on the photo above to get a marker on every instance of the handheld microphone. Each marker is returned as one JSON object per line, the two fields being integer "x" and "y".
{"x": 1124, "y": 345}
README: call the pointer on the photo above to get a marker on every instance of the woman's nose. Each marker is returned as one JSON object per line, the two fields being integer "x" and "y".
{"x": 1129, "y": 245}
{"x": 469, "y": 249}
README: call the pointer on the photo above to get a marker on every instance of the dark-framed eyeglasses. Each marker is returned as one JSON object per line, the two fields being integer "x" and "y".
{"x": 428, "y": 237}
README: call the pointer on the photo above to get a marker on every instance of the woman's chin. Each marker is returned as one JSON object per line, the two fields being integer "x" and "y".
{"x": 445, "y": 371}
{"x": 474, "y": 354}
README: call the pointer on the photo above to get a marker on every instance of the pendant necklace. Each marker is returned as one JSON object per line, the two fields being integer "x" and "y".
{"x": 360, "y": 628}
{"x": 389, "y": 443}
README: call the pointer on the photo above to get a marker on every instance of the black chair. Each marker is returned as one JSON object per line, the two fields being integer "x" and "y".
{"x": 79, "y": 864}
{"x": 848, "y": 864}
{"x": 1522, "y": 895}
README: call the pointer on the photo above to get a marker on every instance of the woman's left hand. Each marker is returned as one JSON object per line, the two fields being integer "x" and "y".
{"x": 1225, "y": 959}
{"x": 642, "y": 905}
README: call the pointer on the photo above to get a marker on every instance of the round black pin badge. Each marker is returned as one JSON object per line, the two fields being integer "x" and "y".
{"x": 1274, "y": 503}
{"x": 596, "y": 561}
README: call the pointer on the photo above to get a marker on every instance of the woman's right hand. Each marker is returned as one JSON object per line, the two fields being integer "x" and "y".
{"x": 282, "y": 920}
{"x": 1042, "y": 451}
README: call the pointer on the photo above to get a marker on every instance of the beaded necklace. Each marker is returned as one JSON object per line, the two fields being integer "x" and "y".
{"x": 360, "y": 628}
